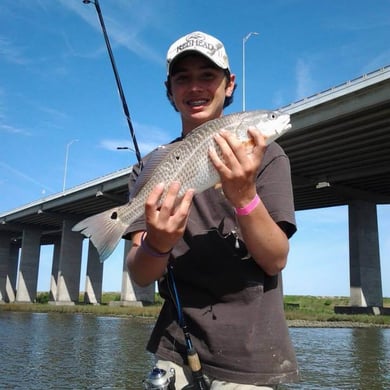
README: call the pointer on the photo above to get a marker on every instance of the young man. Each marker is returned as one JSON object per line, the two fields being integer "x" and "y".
{"x": 226, "y": 263}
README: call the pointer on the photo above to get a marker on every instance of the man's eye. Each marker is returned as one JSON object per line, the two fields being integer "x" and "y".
{"x": 180, "y": 79}
{"x": 208, "y": 76}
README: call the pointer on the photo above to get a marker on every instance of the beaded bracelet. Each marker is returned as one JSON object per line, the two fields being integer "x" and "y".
{"x": 246, "y": 210}
{"x": 150, "y": 251}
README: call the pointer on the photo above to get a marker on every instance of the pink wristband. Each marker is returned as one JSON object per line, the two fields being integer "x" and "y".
{"x": 249, "y": 207}
{"x": 150, "y": 251}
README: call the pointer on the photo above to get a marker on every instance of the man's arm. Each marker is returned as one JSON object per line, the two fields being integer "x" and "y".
{"x": 265, "y": 240}
{"x": 165, "y": 224}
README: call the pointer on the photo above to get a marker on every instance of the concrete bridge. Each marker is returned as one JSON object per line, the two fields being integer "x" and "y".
{"x": 339, "y": 148}
{"x": 49, "y": 221}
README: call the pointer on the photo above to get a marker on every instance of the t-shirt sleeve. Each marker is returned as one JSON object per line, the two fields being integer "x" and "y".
{"x": 275, "y": 188}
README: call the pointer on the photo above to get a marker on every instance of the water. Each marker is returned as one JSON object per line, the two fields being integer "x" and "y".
{"x": 344, "y": 358}
{"x": 70, "y": 351}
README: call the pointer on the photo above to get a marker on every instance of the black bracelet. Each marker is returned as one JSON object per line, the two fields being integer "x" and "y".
{"x": 150, "y": 251}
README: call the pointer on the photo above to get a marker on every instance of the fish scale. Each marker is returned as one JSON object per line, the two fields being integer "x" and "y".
{"x": 186, "y": 161}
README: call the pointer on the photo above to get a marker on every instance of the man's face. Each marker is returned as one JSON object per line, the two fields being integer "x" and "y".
{"x": 198, "y": 90}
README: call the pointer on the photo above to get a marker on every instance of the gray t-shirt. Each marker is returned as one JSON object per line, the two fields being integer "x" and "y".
{"x": 233, "y": 309}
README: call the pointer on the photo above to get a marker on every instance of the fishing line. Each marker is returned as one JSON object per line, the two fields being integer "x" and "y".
{"x": 199, "y": 382}
{"x": 117, "y": 79}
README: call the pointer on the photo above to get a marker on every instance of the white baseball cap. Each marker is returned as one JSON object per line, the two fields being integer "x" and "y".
{"x": 202, "y": 43}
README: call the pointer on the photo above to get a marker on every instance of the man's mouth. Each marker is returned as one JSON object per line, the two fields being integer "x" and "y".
{"x": 197, "y": 103}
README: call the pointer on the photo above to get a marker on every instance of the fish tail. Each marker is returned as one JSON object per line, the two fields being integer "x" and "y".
{"x": 105, "y": 230}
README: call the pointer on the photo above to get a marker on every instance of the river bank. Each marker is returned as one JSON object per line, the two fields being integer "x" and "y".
{"x": 301, "y": 311}
{"x": 335, "y": 324}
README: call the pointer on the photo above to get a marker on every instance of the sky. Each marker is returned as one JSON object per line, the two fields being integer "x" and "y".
{"x": 58, "y": 97}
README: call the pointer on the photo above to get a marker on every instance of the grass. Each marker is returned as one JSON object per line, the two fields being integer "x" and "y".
{"x": 311, "y": 308}
{"x": 297, "y": 308}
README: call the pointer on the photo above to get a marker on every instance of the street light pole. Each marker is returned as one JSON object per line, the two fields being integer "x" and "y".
{"x": 66, "y": 162}
{"x": 244, "y": 40}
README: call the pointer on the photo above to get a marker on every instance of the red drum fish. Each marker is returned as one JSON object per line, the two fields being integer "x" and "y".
{"x": 187, "y": 162}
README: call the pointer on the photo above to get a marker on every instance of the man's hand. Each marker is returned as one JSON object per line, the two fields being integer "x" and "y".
{"x": 166, "y": 217}
{"x": 239, "y": 165}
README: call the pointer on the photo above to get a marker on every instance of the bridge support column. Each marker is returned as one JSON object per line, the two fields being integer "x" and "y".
{"x": 131, "y": 293}
{"x": 54, "y": 270}
{"x": 5, "y": 252}
{"x": 69, "y": 268}
{"x": 12, "y": 272}
{"x": 94, "y": 277}
{"x": 365, "y": 270}
{"x": 364, "y": 267}
{"x": 26, "y": 291}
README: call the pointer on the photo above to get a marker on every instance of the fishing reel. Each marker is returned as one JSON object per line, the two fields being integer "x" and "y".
{"x": 159, "y": 379}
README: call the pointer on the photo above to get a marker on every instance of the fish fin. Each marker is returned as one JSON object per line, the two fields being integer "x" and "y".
{"x": 153, "y": 160}
{"x": 105, "y": 230}
{"x": 218, "y": 185}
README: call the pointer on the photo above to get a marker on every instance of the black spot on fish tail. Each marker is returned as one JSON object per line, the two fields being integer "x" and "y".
{"x": 114, "y": 215}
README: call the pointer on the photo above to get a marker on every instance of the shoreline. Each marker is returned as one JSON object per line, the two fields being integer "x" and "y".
{"x": 333, "y": 324}
{"x": 150, "y": 313}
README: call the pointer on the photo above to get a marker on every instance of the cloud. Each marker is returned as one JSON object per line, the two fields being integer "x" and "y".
{"x": 377, "y": 62}
{"x": 11, "y": 53}
{"x": 374, "y": 21}
{"x": 148, "y": 138}
{"x": 24, "y": 176}
{"x": 53, "y": 112}
{"x": 305, "y": 84}
{"x": 124, "y": 32}
{"x": 5, "y": 128}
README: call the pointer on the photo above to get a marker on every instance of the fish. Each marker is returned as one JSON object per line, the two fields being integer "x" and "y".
{"x": 186, "y": 161}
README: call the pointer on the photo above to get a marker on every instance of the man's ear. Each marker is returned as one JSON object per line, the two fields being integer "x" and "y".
{"x": 169, "y": 94}
{"x": 230, "y": 85}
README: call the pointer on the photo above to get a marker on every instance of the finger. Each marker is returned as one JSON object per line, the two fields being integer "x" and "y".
{"x": 230, "y": 139}
{"x": 227, "y": 144}
{"x": 234, "y": 152}
{"x": 171, "y": 199}
{"x": 183, "y": 211}
{"x": 258, "y": 138}
{"x": 154, "y": 198}
{"x": 186, "y": 202}
{"x": 173, "y": 192}
{"x": 217, "y": 161}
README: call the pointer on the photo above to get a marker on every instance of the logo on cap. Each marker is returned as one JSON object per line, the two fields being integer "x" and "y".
{"x": 202, "y": 43}
{"x": 198, "y": 40}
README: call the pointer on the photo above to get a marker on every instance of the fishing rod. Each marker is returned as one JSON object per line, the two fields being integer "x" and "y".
{"x": 117, "y": 79}
{"x": 199, "y": 382}
{"x": 159, "y": 379}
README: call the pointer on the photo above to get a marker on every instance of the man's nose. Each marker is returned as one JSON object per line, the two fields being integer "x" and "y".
{"x": 195, "y": 85}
